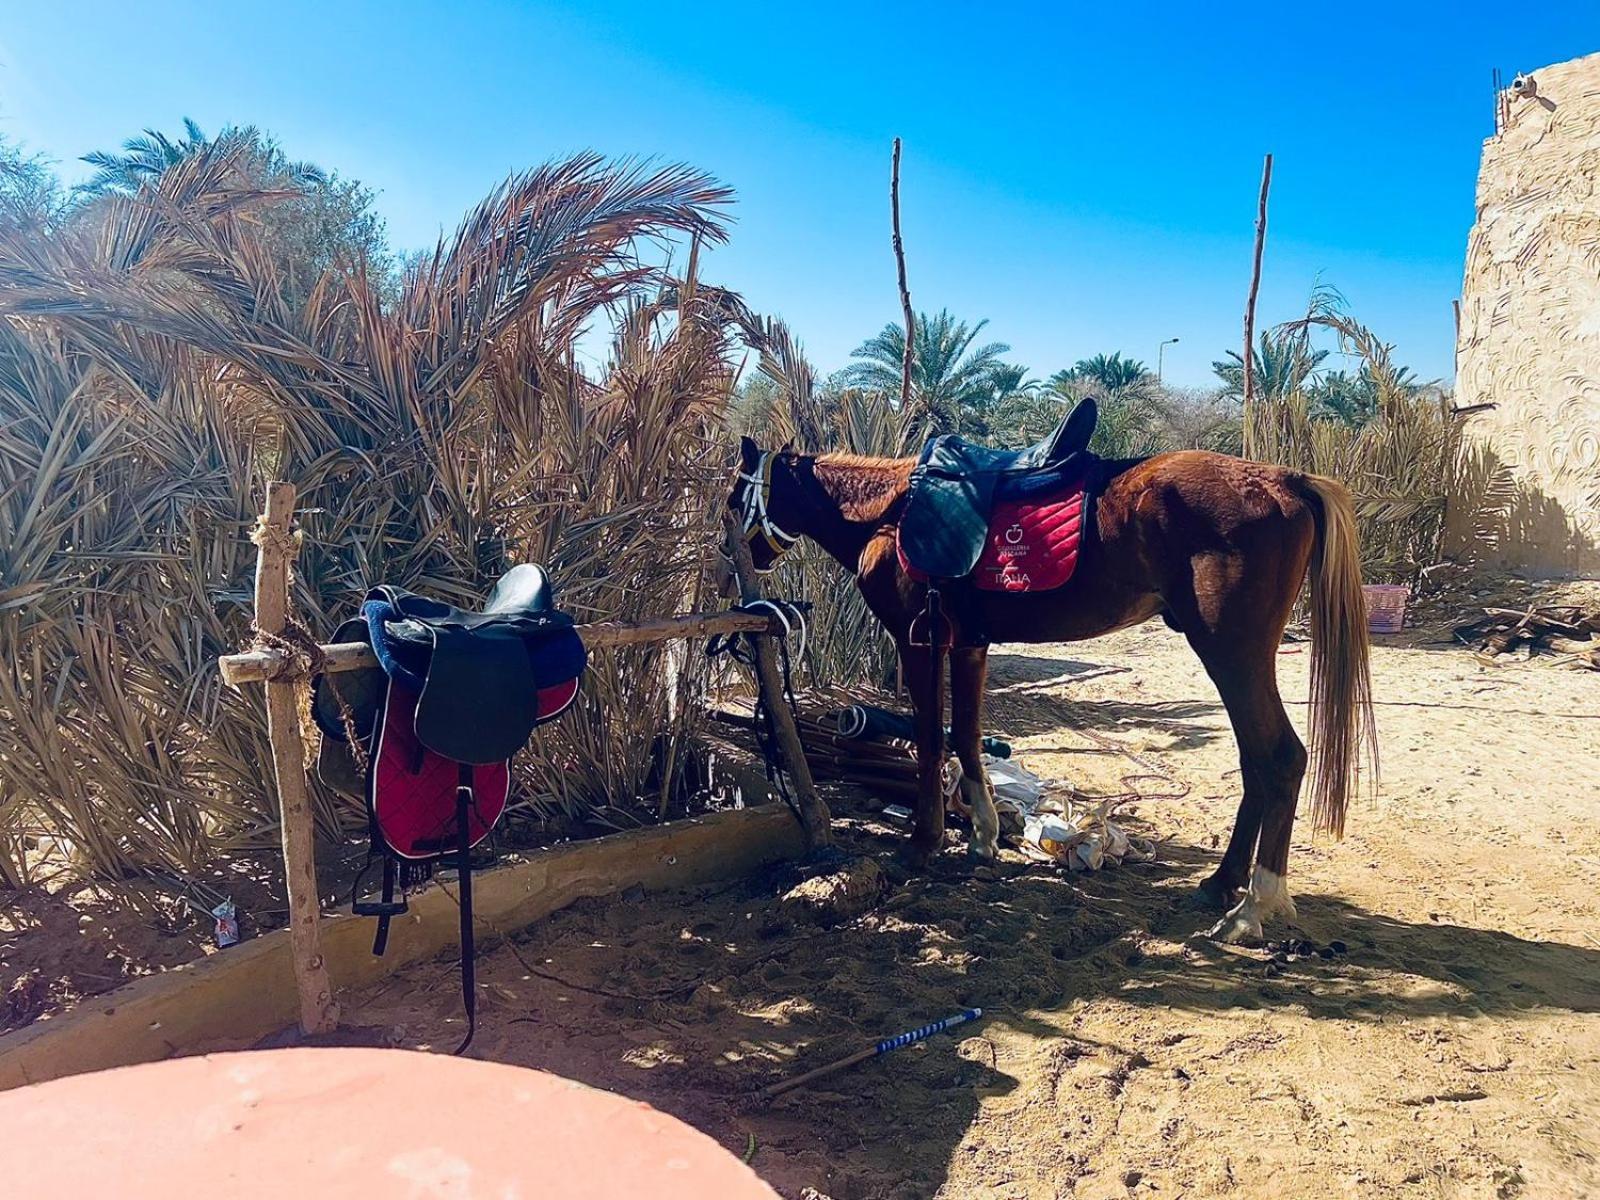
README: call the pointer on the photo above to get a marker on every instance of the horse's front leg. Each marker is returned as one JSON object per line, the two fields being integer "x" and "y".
{"x": 926, "y": 687}
{"x": 969, "y": 668}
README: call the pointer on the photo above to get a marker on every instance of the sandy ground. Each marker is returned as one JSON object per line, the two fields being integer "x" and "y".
{"x": 1454, "y": 1052}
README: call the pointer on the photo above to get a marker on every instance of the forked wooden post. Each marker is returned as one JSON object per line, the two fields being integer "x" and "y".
{"x": 319, "y": 1013}
{"x": 814, "y": 816}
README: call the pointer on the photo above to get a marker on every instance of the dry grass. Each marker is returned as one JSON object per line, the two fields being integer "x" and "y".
{"x": 1402, "y": 467}
{"x": 152, "y": 377}
{"x": 846, "y": 644}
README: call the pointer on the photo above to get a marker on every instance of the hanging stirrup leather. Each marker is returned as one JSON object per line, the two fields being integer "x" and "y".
{"x": 469, "y": 983}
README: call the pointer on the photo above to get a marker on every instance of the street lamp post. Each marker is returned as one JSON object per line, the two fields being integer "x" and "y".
{"x": 1160, "y": 350}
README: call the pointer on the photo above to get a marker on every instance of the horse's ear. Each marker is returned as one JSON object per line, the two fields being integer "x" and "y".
{"x": 786, "y": 448}
{"x": 749, "y": 452}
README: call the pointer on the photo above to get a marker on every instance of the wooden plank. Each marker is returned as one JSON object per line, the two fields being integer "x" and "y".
{"x": 257, "y": 666}
{"x": 318, "y": 1011}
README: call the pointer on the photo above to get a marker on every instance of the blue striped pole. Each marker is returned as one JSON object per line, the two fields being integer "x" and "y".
{"x": 900, "y": 1040}
{"x": 927, "y": 1031}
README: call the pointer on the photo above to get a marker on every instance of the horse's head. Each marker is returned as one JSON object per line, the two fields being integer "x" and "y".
{"x": 760, "y": 499}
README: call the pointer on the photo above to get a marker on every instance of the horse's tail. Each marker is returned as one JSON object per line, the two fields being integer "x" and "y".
{"x": 1342, "y": 727}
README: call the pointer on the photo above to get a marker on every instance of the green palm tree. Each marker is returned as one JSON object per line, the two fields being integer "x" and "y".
{"x": 1284, "y": 363}
{"x": 1354, "y": 399}
{"x": 144, "y": 159}
{"x": 1112, "y": 372}
{"x": 954, "y": 384}
{"x": 1129, "y": 403}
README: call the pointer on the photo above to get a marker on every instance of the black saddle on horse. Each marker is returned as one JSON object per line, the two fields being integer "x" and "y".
{"x": 427, "y": 735}
{"x": 956, "y": 484}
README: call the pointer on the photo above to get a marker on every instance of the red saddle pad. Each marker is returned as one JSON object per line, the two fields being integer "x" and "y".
{"x": 1033, "y": 544}
{"x": 413, "y": 789}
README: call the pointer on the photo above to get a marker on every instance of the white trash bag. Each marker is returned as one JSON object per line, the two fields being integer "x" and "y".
{"x": 1083, "y": 837}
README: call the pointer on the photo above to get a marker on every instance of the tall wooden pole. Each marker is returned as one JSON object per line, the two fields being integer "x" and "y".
{"x": 908, "y": 353}
{"x": 1250, "y": 306}
{"x": 319, "y": 1013}
{"x": 814, "y": 816}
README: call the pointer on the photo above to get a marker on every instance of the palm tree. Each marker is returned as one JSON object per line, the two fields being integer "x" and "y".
{"x": 1284, "y": 364}
{"x": 954, "y": 385}
{"x": 1111, "y": 372}
{"x": 1131, "y": 405}
{"x": 1354, "y": 399}
{"x": 144, "y": 159}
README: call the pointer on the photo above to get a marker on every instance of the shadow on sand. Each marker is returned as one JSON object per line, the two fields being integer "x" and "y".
{"x": 692, "y": 1002}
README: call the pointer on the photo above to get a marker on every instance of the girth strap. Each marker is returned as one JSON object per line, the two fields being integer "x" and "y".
{"x": 384, "y": 908}
{"x": 380, "y": 940}
{"x": 469, "y": 984}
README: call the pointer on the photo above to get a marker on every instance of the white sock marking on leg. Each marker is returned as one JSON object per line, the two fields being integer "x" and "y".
{"x": 985, "y": 841}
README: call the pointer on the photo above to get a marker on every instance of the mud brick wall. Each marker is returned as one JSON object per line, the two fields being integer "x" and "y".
{"x": 1529, "y": 336}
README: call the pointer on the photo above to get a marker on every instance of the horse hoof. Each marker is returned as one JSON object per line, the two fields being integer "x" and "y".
{"x": 915, "y": 859}
{"x": 1214, "y": 893}
{"x": 1238, "y": 928}
{"x": 980, "y": 853}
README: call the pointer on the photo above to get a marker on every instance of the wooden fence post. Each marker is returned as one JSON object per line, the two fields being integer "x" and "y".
{"x": 814, "y": 816}
{"x": 319, "y": 1013}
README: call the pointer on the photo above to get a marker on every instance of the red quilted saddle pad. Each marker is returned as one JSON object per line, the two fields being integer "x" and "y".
{"x": 1033, "y": 544}
{"x": 413, "y": 789}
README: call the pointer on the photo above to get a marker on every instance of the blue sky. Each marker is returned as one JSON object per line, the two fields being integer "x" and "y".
{"x": 1082, "y": 175}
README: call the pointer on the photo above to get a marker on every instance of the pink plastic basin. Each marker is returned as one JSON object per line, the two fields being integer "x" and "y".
{"x": 301, "y": 1124}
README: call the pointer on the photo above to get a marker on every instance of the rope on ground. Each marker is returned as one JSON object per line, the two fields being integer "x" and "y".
{"x": 656, "y": 997}
{"x": 1151, "y": 771}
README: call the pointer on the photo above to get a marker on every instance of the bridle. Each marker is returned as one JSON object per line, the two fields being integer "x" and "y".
{"x": 756, "y": 521}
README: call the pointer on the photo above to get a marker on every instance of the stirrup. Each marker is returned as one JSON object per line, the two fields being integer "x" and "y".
{"x": 932, "y": 617}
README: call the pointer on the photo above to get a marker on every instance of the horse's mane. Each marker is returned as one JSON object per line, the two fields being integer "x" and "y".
{"x": 864, "y": 488}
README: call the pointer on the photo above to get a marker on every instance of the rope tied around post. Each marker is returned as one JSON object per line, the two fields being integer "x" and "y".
{"x": 275, "y": 539}
{"x": 302, "y": 655}
{"x": 301, "y": 659}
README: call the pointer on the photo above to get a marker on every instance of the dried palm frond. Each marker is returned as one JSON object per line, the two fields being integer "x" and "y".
{"x": 153, "y": 376}
{"x": 845, "y": 643}
{"x": 1404, "y": 467}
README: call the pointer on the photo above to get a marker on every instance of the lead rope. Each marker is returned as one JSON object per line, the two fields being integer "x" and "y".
{"x": 741, "y": 647}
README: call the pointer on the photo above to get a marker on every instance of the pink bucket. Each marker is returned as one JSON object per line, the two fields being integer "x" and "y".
{"x": 1386, "y": 606}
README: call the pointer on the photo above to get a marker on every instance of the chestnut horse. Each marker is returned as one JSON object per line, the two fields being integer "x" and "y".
{"x": 1217, "y": 546}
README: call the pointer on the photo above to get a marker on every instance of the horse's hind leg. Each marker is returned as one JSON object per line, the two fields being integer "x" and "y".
{"x": 969, "y": 666}
{"x": 1272, "y": 760}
